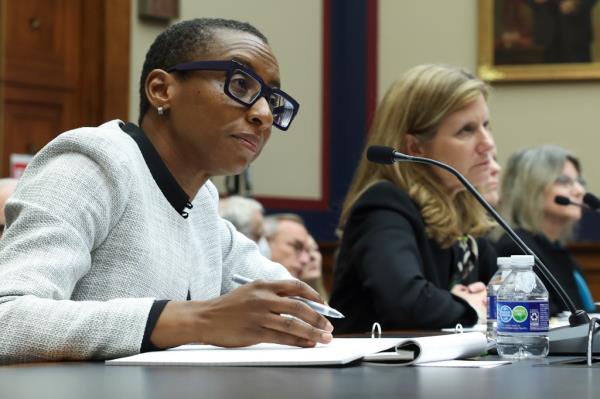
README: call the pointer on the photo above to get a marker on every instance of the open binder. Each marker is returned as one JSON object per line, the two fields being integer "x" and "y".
{"x": 341, "y": 351}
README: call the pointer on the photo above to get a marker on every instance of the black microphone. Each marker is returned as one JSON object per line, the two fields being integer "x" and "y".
{"x": 592, "y": 201}
{"x": 385, "y": 155}
{"x": 562, "y": 200}
{"x": 571, "y": 341}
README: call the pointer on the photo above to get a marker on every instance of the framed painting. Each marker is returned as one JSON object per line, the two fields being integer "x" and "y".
{"x": 159, "y": 10}
{"x": 535, "y": 40}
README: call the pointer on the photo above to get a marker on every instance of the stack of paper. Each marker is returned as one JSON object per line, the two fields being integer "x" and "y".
{"x": 404, "y": 351}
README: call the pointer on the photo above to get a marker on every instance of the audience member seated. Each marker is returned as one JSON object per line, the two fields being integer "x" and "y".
{"x": 113, "y": 243}
{"x": 7, "y": 188}
{"x": 247, "y": 216}
{"x": 533, "y": 178}
{"x": 408, "y": 259}
{"x": 312, "y": 274}
{"x": 287, "y": 237}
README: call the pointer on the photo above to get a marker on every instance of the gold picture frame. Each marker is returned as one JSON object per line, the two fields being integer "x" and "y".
{"x": 528, "y": 63}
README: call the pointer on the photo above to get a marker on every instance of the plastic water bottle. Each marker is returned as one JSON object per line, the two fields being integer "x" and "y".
{"x": 523, "y": 312}
{"x": 492, "y": 291}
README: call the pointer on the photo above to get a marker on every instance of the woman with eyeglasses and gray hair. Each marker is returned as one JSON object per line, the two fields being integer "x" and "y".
{"x": 533, "y": 179}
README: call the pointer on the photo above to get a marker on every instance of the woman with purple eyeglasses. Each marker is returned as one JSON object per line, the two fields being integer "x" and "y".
{"x": 114, "y": 244}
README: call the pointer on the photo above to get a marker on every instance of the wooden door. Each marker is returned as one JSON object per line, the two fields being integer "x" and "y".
{"x": 63, "y": 64}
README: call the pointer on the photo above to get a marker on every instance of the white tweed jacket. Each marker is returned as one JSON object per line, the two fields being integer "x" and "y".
{"x": 91, "y": 242}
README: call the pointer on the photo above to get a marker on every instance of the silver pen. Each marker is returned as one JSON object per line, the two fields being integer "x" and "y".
{"x": 317, "y": 307}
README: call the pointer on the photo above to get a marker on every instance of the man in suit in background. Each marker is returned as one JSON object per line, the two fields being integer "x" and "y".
{"x": 288, "y": 238}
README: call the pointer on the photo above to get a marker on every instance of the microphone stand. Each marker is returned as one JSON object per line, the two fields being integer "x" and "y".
{"x": 581, "y": 329}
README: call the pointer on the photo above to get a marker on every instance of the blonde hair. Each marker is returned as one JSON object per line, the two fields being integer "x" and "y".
{"x": 522, "y": 195}
{"x": 417, "y": 104}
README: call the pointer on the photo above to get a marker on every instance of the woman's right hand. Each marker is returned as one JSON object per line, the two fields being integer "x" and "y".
{"x": 256, "y": 312}
{"x": 477, "y": 299}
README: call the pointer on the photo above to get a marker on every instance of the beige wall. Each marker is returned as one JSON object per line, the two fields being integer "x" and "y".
{"x": 410, "y": 33}
{"x": 290, "y": 165}
{"x": 523, "y": 115}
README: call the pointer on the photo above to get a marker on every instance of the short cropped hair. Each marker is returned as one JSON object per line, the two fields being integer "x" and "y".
{"x": 527, "y": 175}
{"x": 272, "y": 222}
{"x": 183, "y": 42}
{"x": 239, "y": 211}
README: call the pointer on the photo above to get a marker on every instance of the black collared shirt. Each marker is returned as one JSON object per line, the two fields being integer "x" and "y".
{"x": 172, "y": 191}
{"x": 176, "y": 196}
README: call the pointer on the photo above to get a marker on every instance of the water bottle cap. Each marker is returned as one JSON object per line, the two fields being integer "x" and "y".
{"x": 503, "y": 262}
{"x": 520, "y": 261}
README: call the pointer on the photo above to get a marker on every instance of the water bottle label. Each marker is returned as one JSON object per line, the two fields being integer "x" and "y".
{"x": 523, "y": 317}
{"x": 491, "y": 310}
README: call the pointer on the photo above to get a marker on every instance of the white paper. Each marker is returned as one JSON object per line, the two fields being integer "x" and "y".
{"x": 436, "y": 348}
{"x": 475, "y": 328}
{"x": 339, "y": 351}
{"x": 446, "y": 347}
{"x": 481, "y": 364}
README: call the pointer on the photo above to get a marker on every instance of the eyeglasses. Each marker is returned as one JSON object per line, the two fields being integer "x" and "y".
{"x": 567, "y": 181}
{"x": 246, "y": 87}
{"x": 298, "y": 247}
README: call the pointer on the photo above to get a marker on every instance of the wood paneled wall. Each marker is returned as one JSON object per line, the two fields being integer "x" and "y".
{"x": 63, "y": 64}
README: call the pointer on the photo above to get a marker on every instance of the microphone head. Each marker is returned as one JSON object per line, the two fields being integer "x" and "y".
{"x": 561, "y": 200}
{"x": 380, "y": 154}
{"x": 591, "y": 200}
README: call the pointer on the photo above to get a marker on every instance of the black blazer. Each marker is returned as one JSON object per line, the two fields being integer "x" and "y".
{"x": 389, "y": 271}
{"x": 558, "y": 260}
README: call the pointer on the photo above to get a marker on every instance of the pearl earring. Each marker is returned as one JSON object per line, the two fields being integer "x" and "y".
{"x": 160, "y": 110}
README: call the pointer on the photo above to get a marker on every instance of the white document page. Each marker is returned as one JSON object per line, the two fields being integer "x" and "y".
{"x": 435, "y": 348}
{"x": 479, "y": 364}
{"x": 339, "y": 351}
